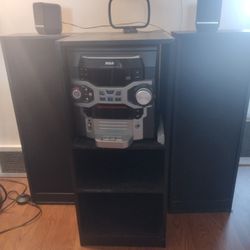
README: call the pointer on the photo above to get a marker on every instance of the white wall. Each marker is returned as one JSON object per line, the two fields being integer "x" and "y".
{"x": 8, "y": 128}
{"x": 17, "y": 17}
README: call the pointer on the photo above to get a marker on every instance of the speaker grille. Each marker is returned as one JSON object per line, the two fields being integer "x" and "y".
{"x": 112, "y": 127}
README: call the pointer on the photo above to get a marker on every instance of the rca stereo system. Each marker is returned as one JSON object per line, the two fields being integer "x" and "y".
{"x": 114, "y": 95}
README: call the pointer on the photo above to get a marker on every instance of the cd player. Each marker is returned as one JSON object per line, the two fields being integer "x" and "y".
{"x": 113, "y": 93}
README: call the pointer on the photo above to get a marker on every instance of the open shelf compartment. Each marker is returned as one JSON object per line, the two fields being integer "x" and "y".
{"x": 121, "y": 219}
{"x": 110, "y": 171}
{"x": 146, "y": 144}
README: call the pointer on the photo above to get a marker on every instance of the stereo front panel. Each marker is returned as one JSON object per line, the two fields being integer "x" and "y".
{"x": 114, "y": 94}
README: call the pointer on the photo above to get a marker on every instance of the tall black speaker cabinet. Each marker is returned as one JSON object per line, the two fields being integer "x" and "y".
{"x": 38, "y": 97}
{"x": 211, "y": 92}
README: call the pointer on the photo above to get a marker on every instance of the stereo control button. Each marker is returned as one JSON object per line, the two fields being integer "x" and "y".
{"x": 89, "y": 125}
{"x": 110, "y": 92}
{"x": 138, "y": 113}
{"x": 87, "y": 94}
{"x": 143, "y": 96}
{"x": 137, "y": 74}
{"x": 128, "y": 78}
{"x": 76, "y": 93}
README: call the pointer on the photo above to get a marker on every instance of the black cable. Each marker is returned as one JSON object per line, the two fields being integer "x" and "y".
{"x": 11, "y": 204}
{"x": 3, "y": 198}
{"x": 13, "y": 191}
{"x": 14, "y": 201}
{"x": 160, "y": 28}
{"x": 98, "y": 26}
{"x": 16, "y": 182}
{"x": 86, "y": 28}
{"x": 31, "y": 220}
{"x": 107, "y": 25}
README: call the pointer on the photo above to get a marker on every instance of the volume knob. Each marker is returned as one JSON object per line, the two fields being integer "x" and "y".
{"x": 76, "y": 93}
{"x": 143, "y": 96}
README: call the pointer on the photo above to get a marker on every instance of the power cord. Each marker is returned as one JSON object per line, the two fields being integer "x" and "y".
{"x": 20, "y": 199}
{"x": 99, "y": 26}
{"x": 88, "y": 27}
{"x": 160, "y": 28}
{"x": 12, "y": 203}
{"x": 108, "y": 25}
{"x": 3, "y": 198}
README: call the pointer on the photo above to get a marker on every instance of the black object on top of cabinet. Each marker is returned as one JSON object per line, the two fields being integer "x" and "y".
{"x": 37, "y": 92}
{"x": 211, "y": 96}
{"x": 208, "y": 15}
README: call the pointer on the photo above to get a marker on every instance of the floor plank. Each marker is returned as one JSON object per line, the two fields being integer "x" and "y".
{"x": 57, "y": 228}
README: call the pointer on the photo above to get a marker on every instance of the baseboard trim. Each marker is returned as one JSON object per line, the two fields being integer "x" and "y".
{"x": 11, "y": 148}
{"x": 53, "y": 198}
{"x": 200, "y": 206}
{"x": 245, "y": 145}
{"x": 244, "y": 162}
{"x": 13, "y": 175}
{"x": 133, "y": 241}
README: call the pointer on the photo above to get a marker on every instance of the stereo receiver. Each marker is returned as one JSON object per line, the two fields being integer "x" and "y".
{"x": 113, "y": 93}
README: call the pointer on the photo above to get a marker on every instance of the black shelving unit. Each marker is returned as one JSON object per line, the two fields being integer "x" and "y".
{"x": 120, "y": 194}
{"x": 127, "y": 219}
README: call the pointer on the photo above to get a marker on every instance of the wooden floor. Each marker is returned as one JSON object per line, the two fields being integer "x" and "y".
{"x": 57, "y": 228}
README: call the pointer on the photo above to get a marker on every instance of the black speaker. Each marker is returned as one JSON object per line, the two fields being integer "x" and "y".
{"x": 208, "y": 15}
{"x": 42, "y": 126}
{"x": 48, "y": 18}
{"x": 211, "y": 94}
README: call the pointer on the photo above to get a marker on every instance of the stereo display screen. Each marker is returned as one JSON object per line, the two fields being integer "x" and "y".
{"x": 107, "y": 72}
